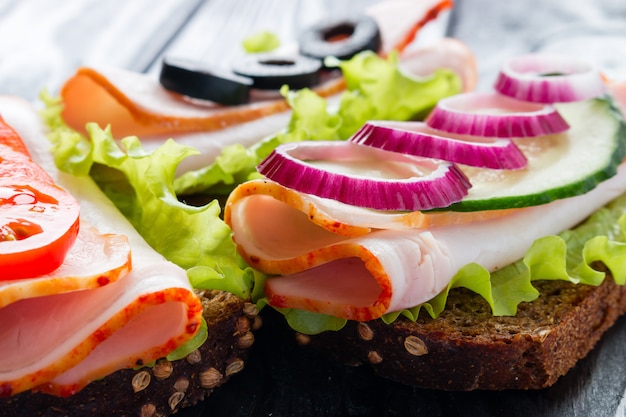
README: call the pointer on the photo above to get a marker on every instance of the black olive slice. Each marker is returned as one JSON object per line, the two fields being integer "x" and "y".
{"x": 193, "y": 79}
{"x": 341, "y": 37}
{"x": 271, "y": 71}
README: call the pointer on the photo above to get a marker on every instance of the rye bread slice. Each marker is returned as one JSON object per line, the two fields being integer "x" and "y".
{"x": 166, "y": 387}
{"x": 467, "y": 348}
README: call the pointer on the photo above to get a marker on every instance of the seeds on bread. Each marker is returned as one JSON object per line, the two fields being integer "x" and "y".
{"x": 166, "y": 387}
{"x": 467, "y": 348}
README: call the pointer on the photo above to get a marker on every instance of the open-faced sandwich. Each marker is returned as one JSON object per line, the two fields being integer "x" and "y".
{"x": 94, "y": 320}
{"x": 118, "y": 298}
{"x": 480, "y": 249}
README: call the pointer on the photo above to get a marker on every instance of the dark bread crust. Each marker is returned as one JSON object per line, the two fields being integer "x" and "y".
{"x": 467, "y": 348}
{"x": 168, "y": 386}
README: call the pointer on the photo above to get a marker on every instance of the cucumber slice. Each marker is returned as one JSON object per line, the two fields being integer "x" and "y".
{"x": 559, "y": 166}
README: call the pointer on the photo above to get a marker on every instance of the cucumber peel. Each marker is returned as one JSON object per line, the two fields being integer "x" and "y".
{"x": 559, "y": 166}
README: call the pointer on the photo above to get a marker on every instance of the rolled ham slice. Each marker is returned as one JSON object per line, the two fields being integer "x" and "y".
{"x": 59, "y": 343}
{"x": 365, "y": 273}
{"x": 136, "y": 104}
{"x": 447, "y": 53}
{"x": 268, "y": 200}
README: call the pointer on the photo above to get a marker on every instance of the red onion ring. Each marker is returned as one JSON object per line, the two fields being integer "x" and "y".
{"x": 544, "y": 78}
{"x": 421, "y": 183}
{"x": 495, "y": 115}
{"x": 417, "y": 138}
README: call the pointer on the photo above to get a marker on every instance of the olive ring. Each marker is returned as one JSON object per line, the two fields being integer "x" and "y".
{"x": 271, "y": 71}
{"x": 192, "y": 79}
{"x": 342, "y": 37}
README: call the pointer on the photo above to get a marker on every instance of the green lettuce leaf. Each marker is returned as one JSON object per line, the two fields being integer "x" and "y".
{"x": 140, "y": 184}
{"x": 236, "y": 164}
{"x": 263, "y": 41}
{"x": 376, "y": 90}
{"x": 71, "y": 152}
{"x": 307, "y": 322}
{"x": 198, "y": 340}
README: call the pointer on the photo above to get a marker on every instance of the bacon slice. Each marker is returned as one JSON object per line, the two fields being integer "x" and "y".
{"x": 59, "y": 343}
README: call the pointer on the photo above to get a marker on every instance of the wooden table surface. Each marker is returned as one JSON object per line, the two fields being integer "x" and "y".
{"x": 42, "y": 43}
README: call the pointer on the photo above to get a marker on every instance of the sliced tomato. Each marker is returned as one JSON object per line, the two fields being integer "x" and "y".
{"x": 39, "y": 221}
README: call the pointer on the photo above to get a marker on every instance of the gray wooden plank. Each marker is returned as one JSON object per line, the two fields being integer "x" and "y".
{"x": 495, "y": 31}
{"x": 215, "y": 34}
{"x": 43, "y": 42}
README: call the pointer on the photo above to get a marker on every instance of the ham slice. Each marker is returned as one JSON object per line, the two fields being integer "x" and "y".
{"x": 447, "y": 53}
{"x": 136, "y": 104}
{"x": 59, "y": 343}
{"x": 93, "y": 261}
{"x": 311, "y": 212}
{"x": 400, "y": 21}
{"x": 362, "y": 275}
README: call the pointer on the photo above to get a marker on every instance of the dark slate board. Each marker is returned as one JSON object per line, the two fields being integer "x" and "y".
{"x": 284, "y": 379}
